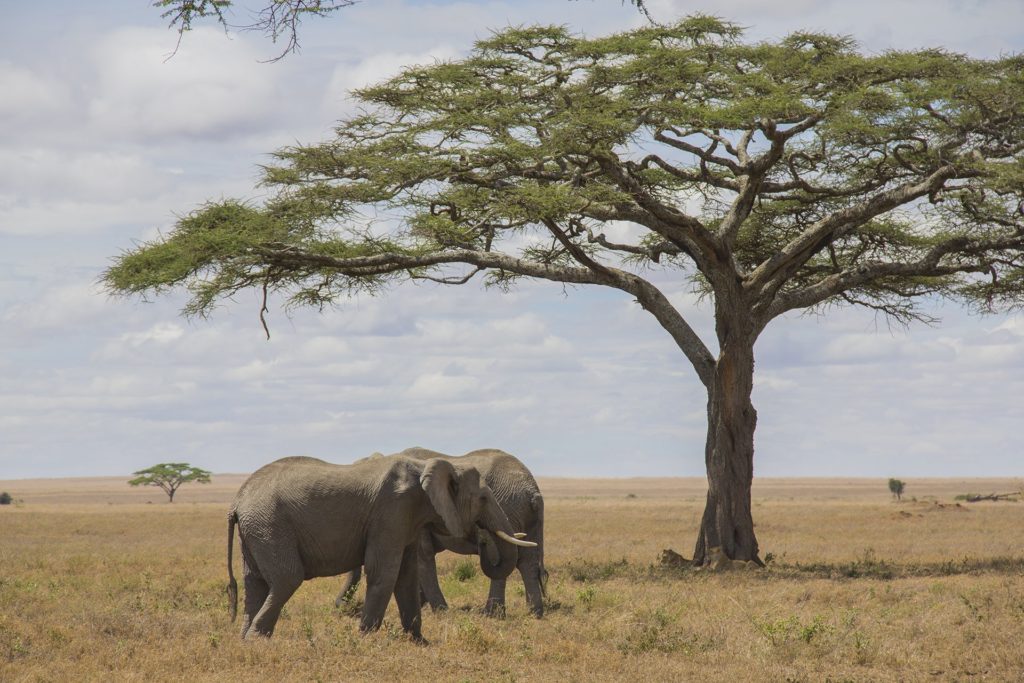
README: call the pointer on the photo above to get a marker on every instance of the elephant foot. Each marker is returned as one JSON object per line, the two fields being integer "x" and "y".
{"x": 255, "y": 635}
{"x": 368, "y": 628}
{"x": 439, "y": 607}
{"x": 418, "y": 639}
{"x": 495, "y": 609}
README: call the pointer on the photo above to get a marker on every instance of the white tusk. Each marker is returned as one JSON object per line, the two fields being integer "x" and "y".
{"x": 519, "y": 534}
{"x": 514, "y": 541}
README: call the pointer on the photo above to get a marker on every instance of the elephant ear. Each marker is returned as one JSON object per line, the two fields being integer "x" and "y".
{"x": 438, "y": 480}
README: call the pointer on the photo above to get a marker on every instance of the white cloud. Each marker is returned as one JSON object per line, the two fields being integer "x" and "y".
{"x": 254, "y": 371}
{"x": 61, "y": 307}
{"x": 772, "y": 381}
{"x": 28, "y": 95}
{"x": 97, "y": 177}
{"x": 210, "y": 88}
{"x": 437, "y": 386}
{"x": 160, "y": 334}
{"x": 877, "y": 348}
{"x": 324, "y": 349}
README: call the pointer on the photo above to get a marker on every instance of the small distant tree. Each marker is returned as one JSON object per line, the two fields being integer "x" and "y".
{"x": 169, "y": 476}
{"x": 5, "y": 498}
{"x": 896, "y": 488}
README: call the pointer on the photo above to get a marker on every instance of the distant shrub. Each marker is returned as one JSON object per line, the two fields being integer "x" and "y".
{"x": 5, "y": 498}
{"x": 597, "y": 571}
{"x": 896, "y": 488}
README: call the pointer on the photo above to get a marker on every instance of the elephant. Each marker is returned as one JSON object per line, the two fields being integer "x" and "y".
{"x": 300, "y": 518}
{"x": 519, "y": 496}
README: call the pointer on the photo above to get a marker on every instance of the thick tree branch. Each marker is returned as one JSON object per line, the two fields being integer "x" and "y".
{"x": 653, "y": 252}
{"x": 681, "y": 229}
{"x": 649, "y": 296}
{"x": 769, "y": 275}
{"x": 970, "y": 250}
{"x": 705, "y": 155}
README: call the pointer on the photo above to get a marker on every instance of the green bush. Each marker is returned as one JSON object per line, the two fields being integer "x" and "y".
{"x": 465, "y": 570}
{"x": 5, "y": 498}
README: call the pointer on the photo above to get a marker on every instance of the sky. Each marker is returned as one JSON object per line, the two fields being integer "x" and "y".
{"x": 104, "y": 140}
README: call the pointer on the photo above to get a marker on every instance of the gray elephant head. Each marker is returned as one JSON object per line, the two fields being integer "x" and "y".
{"x": 475, "y": 519}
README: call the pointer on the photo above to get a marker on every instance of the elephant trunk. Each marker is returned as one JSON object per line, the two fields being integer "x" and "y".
{"x": 507, "y": 554}
{"x": 498, "y": 538}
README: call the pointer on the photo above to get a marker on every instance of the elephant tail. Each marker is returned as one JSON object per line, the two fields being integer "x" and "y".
{"x": 538, "y": 537}
{"x": 232, "y": 584}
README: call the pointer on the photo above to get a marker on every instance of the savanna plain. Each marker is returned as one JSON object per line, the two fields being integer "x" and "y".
{"x": 101, "y": 582}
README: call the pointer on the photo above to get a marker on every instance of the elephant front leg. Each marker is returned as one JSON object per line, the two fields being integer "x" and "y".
{"x": 381, "y": 571}
{"x": 407, "y": 593}
{"x": 495, "y": 605}
{"x": 534, "y": 578}
{"x": 428, "y": 574}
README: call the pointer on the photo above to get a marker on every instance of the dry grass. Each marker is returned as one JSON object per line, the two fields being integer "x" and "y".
{"x": 98, "y": 584}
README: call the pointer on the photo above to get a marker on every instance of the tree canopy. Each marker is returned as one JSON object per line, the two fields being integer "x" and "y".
{"x": 169, "y": 476}
{"x": 792, "y": 175}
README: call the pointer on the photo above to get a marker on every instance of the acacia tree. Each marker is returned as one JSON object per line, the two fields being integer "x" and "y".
{"x": 169, "y": 476}
{"x": 774, "y": 177}
{"x": 896, "y": 488}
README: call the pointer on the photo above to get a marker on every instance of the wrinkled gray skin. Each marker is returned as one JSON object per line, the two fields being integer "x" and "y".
{"x": 519, "y": 497}
{"x": 300, "y": 518}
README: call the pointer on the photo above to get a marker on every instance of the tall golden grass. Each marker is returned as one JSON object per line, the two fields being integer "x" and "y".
{"x": 100, "y": 582}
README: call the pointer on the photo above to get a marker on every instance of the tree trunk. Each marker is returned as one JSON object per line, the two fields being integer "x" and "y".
{"x": 727, "y": 527}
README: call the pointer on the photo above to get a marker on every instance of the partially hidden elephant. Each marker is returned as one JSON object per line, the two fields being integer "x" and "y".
{"x": 519, "y": 497}
{"x": 300, "y": 518}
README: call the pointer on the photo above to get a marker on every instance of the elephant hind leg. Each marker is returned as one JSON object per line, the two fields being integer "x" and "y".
{"x": 256, "y": 590}
{"x": 348, "y": 591}
{"x": 281, "y": 589}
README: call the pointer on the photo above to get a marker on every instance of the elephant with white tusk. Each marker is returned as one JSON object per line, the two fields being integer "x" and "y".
{"x": 300, "y": 518}
{"x": 519, "y": 497}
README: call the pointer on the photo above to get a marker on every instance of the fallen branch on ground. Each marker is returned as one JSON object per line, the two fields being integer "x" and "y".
{"x": 975, "y": 497}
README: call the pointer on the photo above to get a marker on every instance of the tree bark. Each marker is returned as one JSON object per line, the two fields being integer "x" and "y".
{"x": 727, "y": 524}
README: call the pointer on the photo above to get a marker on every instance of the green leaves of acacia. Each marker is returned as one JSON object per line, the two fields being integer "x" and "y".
{"x": 722, "y": 154}
{"x": 206, "y": 238}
